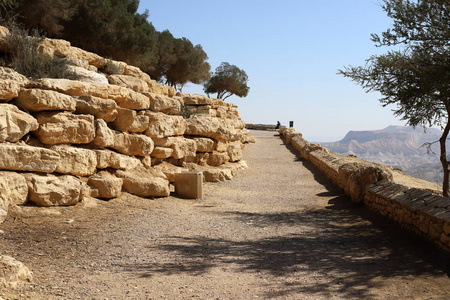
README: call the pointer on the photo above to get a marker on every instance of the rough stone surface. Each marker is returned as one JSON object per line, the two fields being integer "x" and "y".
{"x": 105, "y": 185}
{"x": 54, "y": 190}
{"x": 27, "y": 158}
{"x": 130, "y": 121}
{"x": 217, "y": 158}
{"x": 162, "y": 125}
{"x": 169, "y": 170}
{"x": 164, "y": 104}
{"x": 234, "y": 151}
{"x": 133, "y": 144}
{"x": 204, "y": 144}
{"x": 11, "y": 83}
{"x": 100, "y": 108}
{"x": 13, "y": 187}
{"x": 124, "y": 97}
{"x": 145, "y": 182}
{"x": 14, "y": 123}
{"x": 75, "y": 161}
{"x": 13, "y": 272}
{"x": 39, "y": 100}
{"x": 216, "y": 128}
{"x": 131, "y": 82}
{"x": 161, "y": 152}
{"x": 65, "y": 128}
{"x": 182, "y": 147}
{"x": 89, "y": 76}
{"x": 111, "y": 159}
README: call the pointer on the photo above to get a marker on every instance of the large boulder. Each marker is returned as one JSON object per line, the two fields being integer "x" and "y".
{"x": 234, "y": 151}
{"x": 54, "y": 190}
{"x": 124, "y": 97}
{"x": 182, "y": 147}
{"x": 13, "y": 187}
{"x": 218, "y": 158}
{"x": 11, "y": 83}
{"x": 76, "y": 161}
{"x": 145, "y": 182}
{"x": 104, "y": 185}
{"x": 13, "y": 190}
{"x": 111, "y": 159}
{"x": 65, "y": 128}
{"x": 161, "y": 152}
{"x": 89, "y": 76}
{"x": 13, "y": 272}
{"x": 27, "y": 158}
{"x": 164, "y": 104}
{"x": 39, "y": 100}
{"x": 14, "y": 123}
{"x": 136, "y": 84}
{"x": 169, "y": 170}
{"x": 161, "y": 89}
{"x": 162, "y": 125}
{"x": 100, "y": 108}
{"x": 212, "y": 127}
{"x": 129, "y": 120}
{"x": 204, "y": 144}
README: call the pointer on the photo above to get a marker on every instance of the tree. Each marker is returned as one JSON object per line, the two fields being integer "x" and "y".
{"x": 415, "y": 76}
{"x": 227, "y": 80}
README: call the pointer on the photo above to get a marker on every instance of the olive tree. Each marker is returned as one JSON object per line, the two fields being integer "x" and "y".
{"x": 414, "y": 76}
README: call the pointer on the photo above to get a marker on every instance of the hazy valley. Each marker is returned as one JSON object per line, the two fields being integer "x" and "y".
{"x": 398, "y": 146}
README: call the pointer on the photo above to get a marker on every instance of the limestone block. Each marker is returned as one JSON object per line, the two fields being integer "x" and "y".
{"x": 54, "y": 190}
{"x": 124, "y": 97}
{"x": 85, "y": 75}
{"x": 144, "y": 182}
{"x": 204, "y": 144}
{"x": 100, "y": 108}
{"x": 130, "y": 121}
{"x": 3, "y": 209}
{"x": 191, "y": 99}
{"x": 218, "y": 158}
{"x": 133, "y": 144}
{"x": 105, "y": 185}
{"x": 11, "y": 83}
{"x": 212, "y": 174}
{"x": 13, "y": 188}
{"x": 27, "y": 158}
{"x": 216, "y": 128}
{"x": 160, "y": 152}
{"x": 181, "y": 146}
{"x": 136, "y": 72}
{"x": 162, "y": 125}
{"x": 135, "y": 83}
{"x": 164, "y": 104}
{"x": 51, "y": 47}
{"x": 39, "y": 100}
{"x": 189, "y": 185}
{"x": 14, "y": 123}
{"x": 221, "y": 146}
{"x": 76, "y": 161}
{"x": 161, "y": 89}
{"x": 65, "y": 128}
{"x": 13, "y": 272}
{"x": 235, "y": 151}
{"x": 169, "y": 170}
{"x": 111, "y": 159}
{"x": 104, "y": 136}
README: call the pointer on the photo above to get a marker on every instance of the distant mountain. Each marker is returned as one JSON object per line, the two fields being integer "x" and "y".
{"x": 398, "y": 146}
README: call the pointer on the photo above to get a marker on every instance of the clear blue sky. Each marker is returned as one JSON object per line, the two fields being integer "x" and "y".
{"x": 291, "y": 51}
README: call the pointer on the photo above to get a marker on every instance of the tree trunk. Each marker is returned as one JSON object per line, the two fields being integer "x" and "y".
{"x": 443, "y": 158}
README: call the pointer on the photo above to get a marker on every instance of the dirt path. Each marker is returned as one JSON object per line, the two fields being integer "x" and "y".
{"x": 276, "y": 231}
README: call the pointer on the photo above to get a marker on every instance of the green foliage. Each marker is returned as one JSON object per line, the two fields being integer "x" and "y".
{"x": 26, "y": 59}
{"x": 187, "y": 111}
{"x": 227, "y": 80}
{"x": 415, "y": 77}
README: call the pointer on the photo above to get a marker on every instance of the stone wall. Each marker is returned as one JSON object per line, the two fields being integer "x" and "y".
{"x": 418, "y": 209}
{"x": 63, "y": 140}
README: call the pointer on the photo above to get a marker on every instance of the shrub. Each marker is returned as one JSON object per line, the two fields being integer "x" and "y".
{"x": 26, "y": 59}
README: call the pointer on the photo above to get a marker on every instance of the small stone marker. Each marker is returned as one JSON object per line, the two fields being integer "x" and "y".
{"x": 189, "y": 185}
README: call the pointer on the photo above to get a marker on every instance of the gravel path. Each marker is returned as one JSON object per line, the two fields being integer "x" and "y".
{"x": 277, "y": 231}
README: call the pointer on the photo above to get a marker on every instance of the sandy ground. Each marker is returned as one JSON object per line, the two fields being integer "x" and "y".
{"x": 277, "y": 231}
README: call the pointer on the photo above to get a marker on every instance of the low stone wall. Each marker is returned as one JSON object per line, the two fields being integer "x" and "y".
{"x": 63, "y": 140}
{"x": 373, "y": 184}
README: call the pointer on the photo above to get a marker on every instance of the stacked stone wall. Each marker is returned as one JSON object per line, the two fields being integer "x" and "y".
{"x": 425, "y": 213}
{"x": 64, "y": 140}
